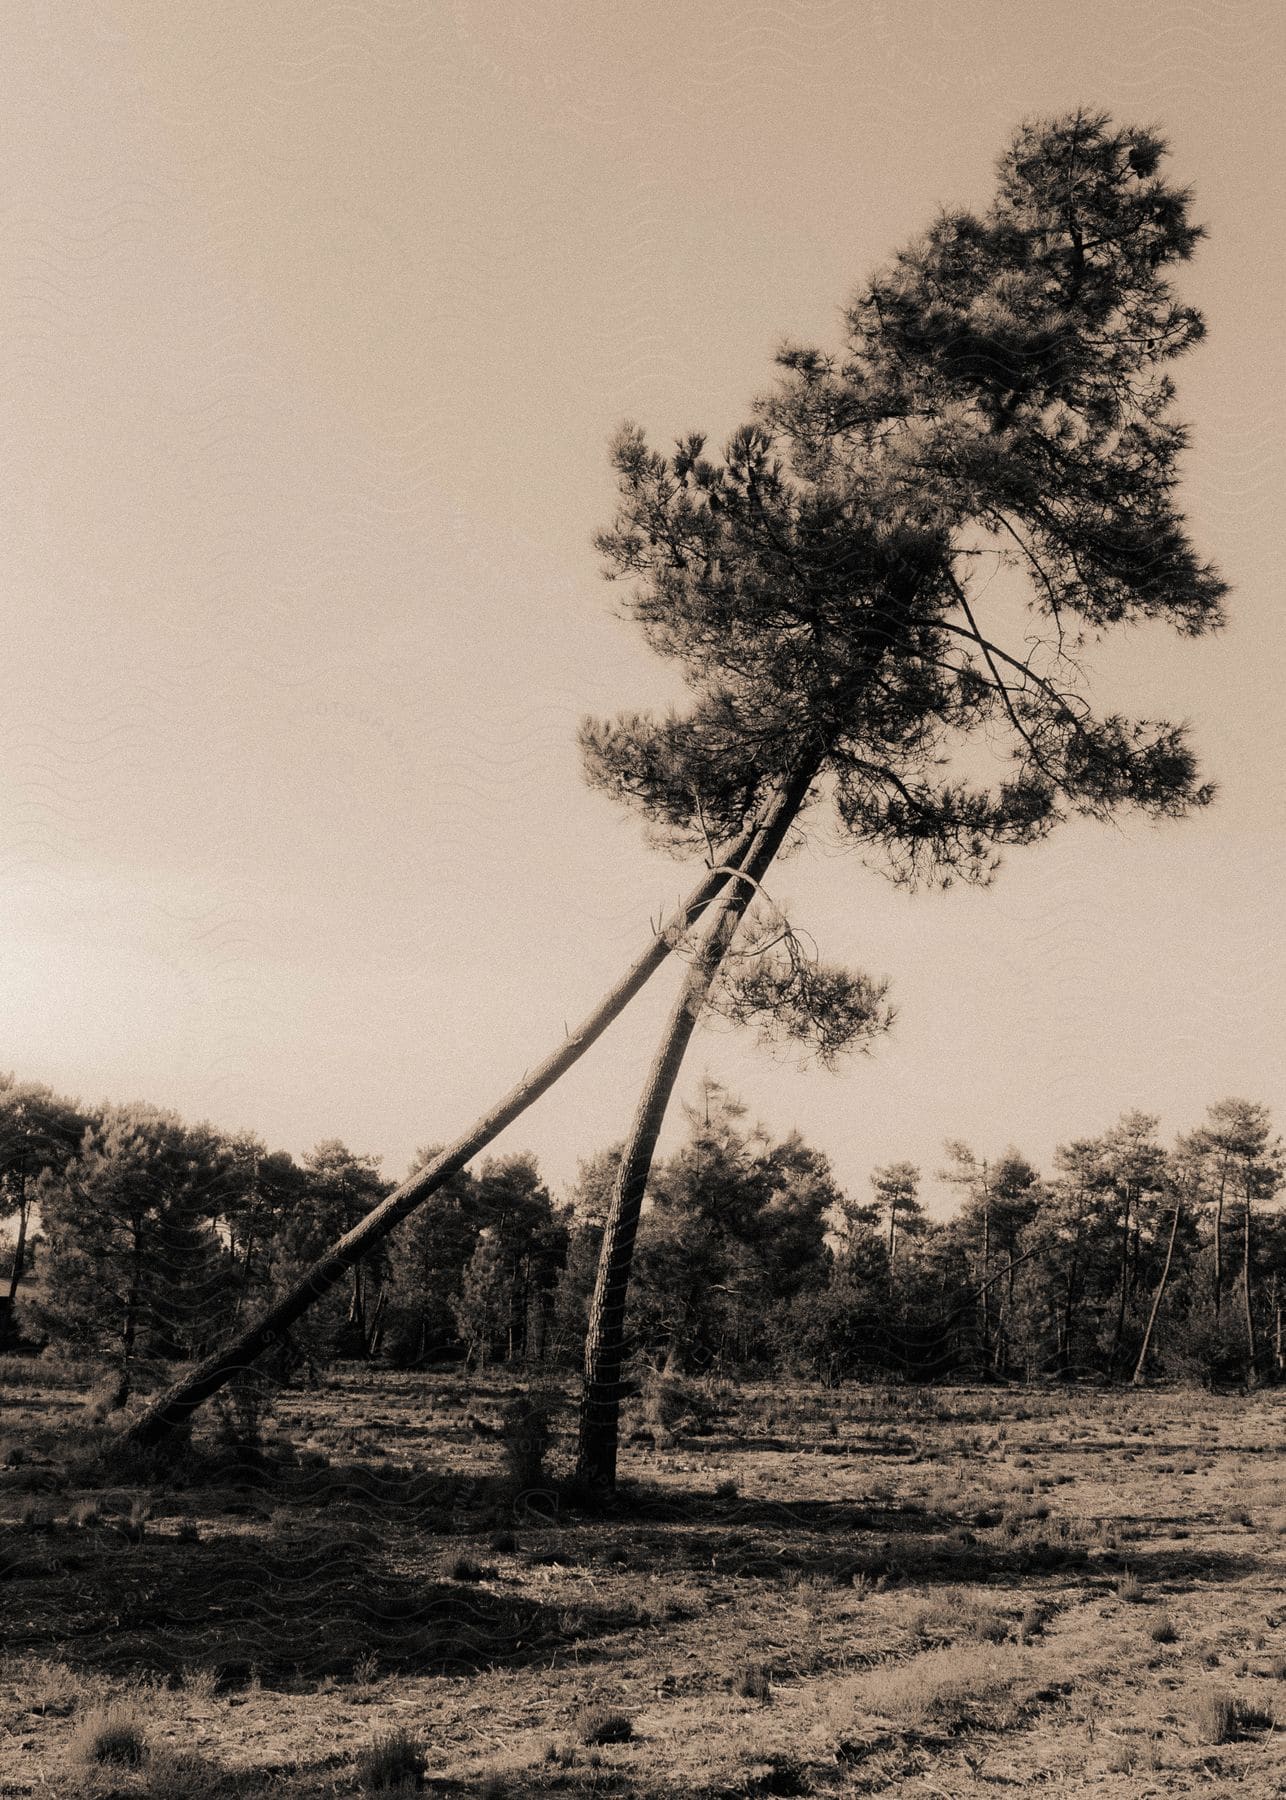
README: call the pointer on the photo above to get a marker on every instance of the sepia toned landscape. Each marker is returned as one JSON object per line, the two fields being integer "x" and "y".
{"x": 801, "y": 1591}
{"x": 641, "y": 839}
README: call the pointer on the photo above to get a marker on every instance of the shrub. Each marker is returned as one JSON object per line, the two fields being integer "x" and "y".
{"x": 366, "y": 1669}
{"x": 110, "y": 1734}
{"x": 392, "y": 1760}
{"x": 134, "y": 1524}
{"x": 600, "y": 1725}
{"x": 503, "y": 1541}
{"x": 1214, "y": 1716}
{"x": 526, "y": 1433}
{"x": 201, "y": 1683}
{"x": 667, "y": 1405}
{"x": 1032, "y": 1622}
{"x": 464, "y": 1568}
{"x": 1255, "y": 1718}
{"x": 50, "y": 1688}
{"x": 1129, "y": 1588}
{"x": 753, "y": 1683}
{"x": 1161, "y": 1629}
{"x": 240, "y": 1408}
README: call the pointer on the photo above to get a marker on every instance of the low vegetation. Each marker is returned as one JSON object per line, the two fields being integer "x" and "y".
{"x": 809, "y": 1590}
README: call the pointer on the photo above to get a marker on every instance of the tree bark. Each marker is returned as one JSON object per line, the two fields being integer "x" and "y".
{"x": 1156, "y": 1298}
{"x": 986, "y": 1273}
{"x": 176, "y": 1406}
{"x": 1218, "y": 1272}
{"x": 605, "y": 1340}
{"x": 1248, "y": 1307}
{"x": 1069, "y": 1311}
{"x": 9, "y": 1314}
{"x": 1119, "y": 1335}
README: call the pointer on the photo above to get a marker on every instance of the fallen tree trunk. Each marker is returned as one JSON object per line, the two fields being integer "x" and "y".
{"x": 178, "y": 1404}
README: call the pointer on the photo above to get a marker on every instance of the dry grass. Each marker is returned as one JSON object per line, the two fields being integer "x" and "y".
{"x": 112, "y": 1734}
{"x": 754, "y": 1683}
{"x": 392, "y": 1763}
{"x": 1214, "y": 1717}
{"x": 916, "y": 1590}
{"x": 943, "y": 1688}
{"x": 603, "y": 1725}
{"x": 956, "y": 1614}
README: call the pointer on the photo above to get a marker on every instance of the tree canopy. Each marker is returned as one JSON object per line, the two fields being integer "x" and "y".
{"x": 1002, "y": 402}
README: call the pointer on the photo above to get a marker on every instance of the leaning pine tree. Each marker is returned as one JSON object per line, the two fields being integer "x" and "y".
{"x": 839, "y": 588}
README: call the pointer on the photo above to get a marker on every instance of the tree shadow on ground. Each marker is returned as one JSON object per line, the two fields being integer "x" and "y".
{"x": 836, "y": 1542}
{"x": 285, "y": 1604}
{"x": 673, "y": 1505}
{"x": 1182, "y": 1568}
{"x": 201, "y": 1777}
{"x": 770, "y": 1444}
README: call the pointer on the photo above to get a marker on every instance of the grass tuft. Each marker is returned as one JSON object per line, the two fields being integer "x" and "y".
{"x": 602, "y": 1725}
{"x": 392, "y": 1762}
{"x": 1214, "y": 1717}
{"x": 110, "y": 1734}
{"x": 754, "y": 1683}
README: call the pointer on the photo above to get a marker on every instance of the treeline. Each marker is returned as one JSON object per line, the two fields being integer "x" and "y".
{"x": 149, "y": 1240}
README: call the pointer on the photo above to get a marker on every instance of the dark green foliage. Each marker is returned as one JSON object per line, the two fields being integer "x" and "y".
{"x": 39, "y": 1134}
{"x": 736, "y": 1229}
{"x": 505, "y": 1296}
{"x": 1002, "y": 401}
{"x": 137, "y": 1272}
{"x": 750, "y": 1256}
{"x": 427, "y": 1257}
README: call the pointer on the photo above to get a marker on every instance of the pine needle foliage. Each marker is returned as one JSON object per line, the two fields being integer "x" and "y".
{"x": 1002, "y": 405}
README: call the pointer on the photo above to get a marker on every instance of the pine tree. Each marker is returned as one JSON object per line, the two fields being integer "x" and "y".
{"x": 136, "y": 1269}
{"x": 826, "y": 586}
{"x": 39, "y": 1134}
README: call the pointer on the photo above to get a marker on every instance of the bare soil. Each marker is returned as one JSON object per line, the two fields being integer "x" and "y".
{"x": 952, "y": 1592}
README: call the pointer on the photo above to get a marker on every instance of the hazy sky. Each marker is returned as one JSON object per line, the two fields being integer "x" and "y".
{"x": 317, "y": 318}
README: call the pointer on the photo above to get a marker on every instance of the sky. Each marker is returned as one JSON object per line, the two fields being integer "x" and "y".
{"x": 316, "y": 320}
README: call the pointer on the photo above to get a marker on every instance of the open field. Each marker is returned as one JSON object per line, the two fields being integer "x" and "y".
{"x": 875, "y": 1590}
